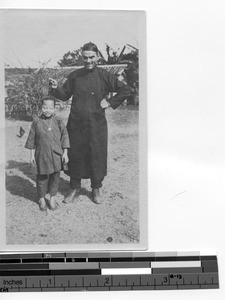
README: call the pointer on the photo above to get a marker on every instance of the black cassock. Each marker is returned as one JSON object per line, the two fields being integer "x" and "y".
{"x": 87, "y": 125}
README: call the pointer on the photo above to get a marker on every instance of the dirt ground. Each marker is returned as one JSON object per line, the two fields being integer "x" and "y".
{"x": 115, "y": 221}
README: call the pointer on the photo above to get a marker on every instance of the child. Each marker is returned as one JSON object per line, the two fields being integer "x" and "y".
{"x": 48, "y": 142}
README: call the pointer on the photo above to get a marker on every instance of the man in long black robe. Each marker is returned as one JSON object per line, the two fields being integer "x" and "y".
{"x": 87, "y": 125}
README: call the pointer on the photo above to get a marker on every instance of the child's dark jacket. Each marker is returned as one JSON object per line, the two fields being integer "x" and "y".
{"x": 48, "y": 144}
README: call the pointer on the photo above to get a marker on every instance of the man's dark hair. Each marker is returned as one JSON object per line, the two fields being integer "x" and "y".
{"x": 90, "y": 47}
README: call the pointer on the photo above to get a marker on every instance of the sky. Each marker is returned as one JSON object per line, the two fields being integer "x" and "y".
{"x": 33, "y": 37}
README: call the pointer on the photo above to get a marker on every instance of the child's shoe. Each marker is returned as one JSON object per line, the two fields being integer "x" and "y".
{"x": 52, "y": 203}
{"x": 51, "y": 200}
{"x": 42, "y": 204}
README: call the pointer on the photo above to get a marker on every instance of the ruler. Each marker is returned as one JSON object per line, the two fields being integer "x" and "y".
{"x": 104, "y": 271}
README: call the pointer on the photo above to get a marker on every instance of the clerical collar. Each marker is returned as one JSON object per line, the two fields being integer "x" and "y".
{"x": 91, "y": 70}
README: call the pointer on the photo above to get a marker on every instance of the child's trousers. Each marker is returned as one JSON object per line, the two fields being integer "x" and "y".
{"x": 47, "y": 183}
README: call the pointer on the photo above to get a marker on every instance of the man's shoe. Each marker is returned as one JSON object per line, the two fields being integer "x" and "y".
{"x": 73, "y": 195}
{"x": 42, "y": 204}
{"x": 96, "y": 197}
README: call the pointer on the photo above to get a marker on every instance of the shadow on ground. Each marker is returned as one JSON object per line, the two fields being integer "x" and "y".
{"x": 21, "y": 184}
{"x": 21, "y": 187}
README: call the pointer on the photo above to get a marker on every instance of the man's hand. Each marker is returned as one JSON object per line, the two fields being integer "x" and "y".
{"x": 53, "y": 84}
{"x": 104, "y": 103}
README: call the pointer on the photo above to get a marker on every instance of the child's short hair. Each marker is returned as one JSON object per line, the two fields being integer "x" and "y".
{"x": 48, "y": 97}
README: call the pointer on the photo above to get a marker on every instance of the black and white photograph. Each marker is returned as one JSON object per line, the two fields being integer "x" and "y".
{"x": 75, "y": 129}
{"x": 112, "y": 141}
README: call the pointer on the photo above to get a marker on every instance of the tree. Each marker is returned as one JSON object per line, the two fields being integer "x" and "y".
{"x": 132, "y": 74}
{"x": 73, "y": 58}
{"x": 113, "y": 57}
{"x": 131, "y": 71}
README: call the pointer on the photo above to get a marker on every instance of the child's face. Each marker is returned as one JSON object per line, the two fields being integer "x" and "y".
{"x": 48, "y": 108}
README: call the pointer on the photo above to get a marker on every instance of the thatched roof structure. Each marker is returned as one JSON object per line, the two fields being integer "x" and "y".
{"x": 115, "y": 69}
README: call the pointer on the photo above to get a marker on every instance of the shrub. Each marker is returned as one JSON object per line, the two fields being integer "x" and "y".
{"x": 25, "y": 92}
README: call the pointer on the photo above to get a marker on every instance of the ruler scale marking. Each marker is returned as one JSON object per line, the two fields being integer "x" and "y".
{"x": 85, "y": 271}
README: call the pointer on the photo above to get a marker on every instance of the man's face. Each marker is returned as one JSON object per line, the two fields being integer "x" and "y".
{"x": 90, "y": 59}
